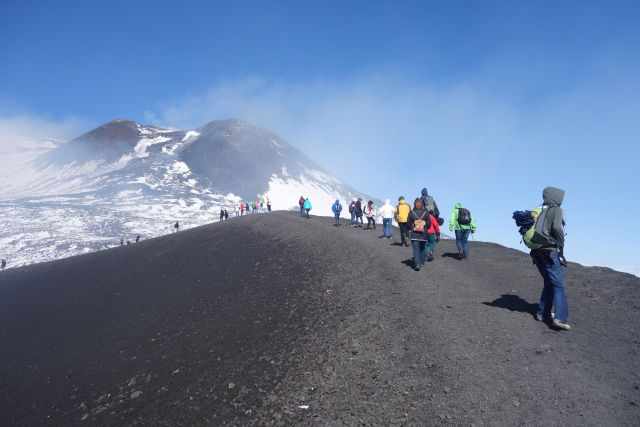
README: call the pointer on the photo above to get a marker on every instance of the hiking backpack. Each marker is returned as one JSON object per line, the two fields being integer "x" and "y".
{"x": 464, "y": 216}
{"x": 526, "y": 222}
{"x": 422, "y": 224}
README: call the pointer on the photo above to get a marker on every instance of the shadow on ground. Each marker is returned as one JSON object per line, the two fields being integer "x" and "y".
{"x": 513, "y": 303}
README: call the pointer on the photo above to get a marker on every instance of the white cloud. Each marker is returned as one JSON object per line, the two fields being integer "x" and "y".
{"x": 22, "y": 138}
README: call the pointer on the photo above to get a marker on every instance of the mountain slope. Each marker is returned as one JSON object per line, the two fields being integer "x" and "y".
{"x": 250, "y": 321}
{"x": 125, "y": 179}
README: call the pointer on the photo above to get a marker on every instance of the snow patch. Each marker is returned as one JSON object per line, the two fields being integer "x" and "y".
{"x": 190, "y": 136}
{"x": 140, "y": 149}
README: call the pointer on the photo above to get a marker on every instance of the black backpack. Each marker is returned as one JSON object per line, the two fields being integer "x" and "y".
{"x": 464, "y": 216}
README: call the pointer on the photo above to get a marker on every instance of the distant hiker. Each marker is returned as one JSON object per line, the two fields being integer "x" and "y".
{"x": 430, "y": 204}
{"x": 122, "y": 241}
{"x": 241, "y": 208}
{"x": 419, "y": 221}
{"x": 128, "y": 242}
{"x": 359, "y": 213}
{"x": 137, "y": 238}
{"x": 336, "y": 208}
{"x": 177, "y": 226}
{"x": 370, "y": 213}
{"x": 268, "y": 205}
{"x": 307, "y": 207}
{"x": 352, "y": 211}
{"x": 226, "y": 214}
{"x": 3, "y": 264}
{"x": 548, "y": 234}
{"x": 387, "y": 212}
{"x": 301, "y": 201}
{"x": 402, "y": 216}
{"x": 462, "y": 223}
{"x": 221, "y": 215}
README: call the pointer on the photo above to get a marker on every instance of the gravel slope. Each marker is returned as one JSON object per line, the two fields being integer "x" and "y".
{"x": 274, "y": 319}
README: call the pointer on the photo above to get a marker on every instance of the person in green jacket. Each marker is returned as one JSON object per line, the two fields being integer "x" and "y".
{"x": 463, "y": 224}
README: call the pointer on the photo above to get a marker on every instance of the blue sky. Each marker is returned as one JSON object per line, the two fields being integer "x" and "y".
{"x": 501, "y": 98}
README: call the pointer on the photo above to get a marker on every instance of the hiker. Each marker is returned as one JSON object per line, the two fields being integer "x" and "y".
{"x": 352, "y": 211}
{"x": 550, "y": 260}
{"x": 177, "y": 226}
{"x": 336, "y": 208}
{"x": 137, "y": 238}
{"x": 359, "y": 213}
{"x": 241, "y": 208}
{"x": 462, "y": 223}
{"x": 122, "y": 241}
{"x": 433, "y": 235}
{"x": 128, "y": 242}
{"x": 3, "y": 264}
{"x": 268, "y": 205}
{"x": 418, "y": 221}
{"x": 226, "y": 214}
{"x": 307, "y": 207}
{"x": 430, "y": 205}
{"x": 301, "y": 201}
{"x": 221, "y": 215}
{"x": 370, "y": 213}
{"x": 402, "y": 216}
{"x": 387, "y": 212}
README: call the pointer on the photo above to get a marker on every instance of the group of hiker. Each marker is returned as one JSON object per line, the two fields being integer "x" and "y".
{"x": 542, "y": 230}
{"x": 305, "y": 206}
{"x": 418, "y": 224}
{"x": 258, "y": 206}
{"x": 122, "y": 241}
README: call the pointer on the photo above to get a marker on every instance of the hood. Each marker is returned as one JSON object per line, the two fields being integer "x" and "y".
{"x": 425, "y": 193}
{"x": 458, "y": 206}
{"x": 552, "y": 196}
{"x": 387, "y": 202}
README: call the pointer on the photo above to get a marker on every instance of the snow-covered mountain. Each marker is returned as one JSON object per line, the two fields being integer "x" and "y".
{"x": 125, "y": 179}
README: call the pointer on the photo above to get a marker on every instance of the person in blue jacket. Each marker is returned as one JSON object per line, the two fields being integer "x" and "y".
{"x": 307, "y": 207}
{"x": 337, "y": 209}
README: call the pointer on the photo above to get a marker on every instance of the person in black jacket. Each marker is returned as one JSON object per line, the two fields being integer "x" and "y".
{"x": 359, "y": 213}
{"x": 418, "y": 224}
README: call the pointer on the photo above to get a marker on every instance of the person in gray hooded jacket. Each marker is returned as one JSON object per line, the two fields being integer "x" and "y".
{"x": 550, "y": 260}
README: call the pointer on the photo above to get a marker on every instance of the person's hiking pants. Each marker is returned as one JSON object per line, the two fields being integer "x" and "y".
{"x": 386, "y": 227}
{"x": 307, "y": 213}
{"x": 371, "y": 222}
{"x": 419, "y": 252}
{"x": 431, "y": 244}
{"x": 359, "y": 220}
{"x": 337, "y": 216}
{"x": 301, "y": 211}
{"x": 353, "y": 218}
{"x": 553, "y": 295}
{"x": 462, "y": 242}
{"x": 404, "y": 232}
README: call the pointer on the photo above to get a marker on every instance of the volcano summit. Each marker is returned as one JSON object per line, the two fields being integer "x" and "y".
{"x": 125, "y": 179}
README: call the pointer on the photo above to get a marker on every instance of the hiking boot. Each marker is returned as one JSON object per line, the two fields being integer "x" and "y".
{"x": 561, "y": 325}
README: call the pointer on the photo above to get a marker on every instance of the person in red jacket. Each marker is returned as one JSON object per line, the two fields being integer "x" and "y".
{"x": 433, "y": 237}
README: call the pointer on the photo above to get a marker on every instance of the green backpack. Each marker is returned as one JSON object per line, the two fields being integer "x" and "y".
{"x": 530, "y": 236}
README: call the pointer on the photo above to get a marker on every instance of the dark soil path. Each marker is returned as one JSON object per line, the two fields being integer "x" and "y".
{"x": 274, "y": 319}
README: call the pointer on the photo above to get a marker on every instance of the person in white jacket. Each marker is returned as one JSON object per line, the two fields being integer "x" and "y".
{"x": 370, "y": 213}
{"x": 387, "y": 212}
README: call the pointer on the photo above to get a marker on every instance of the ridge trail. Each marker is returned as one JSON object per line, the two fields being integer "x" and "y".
{"x": 279, "y": 320}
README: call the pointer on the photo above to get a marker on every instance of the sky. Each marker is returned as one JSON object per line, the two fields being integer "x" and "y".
{"x": 485, "y": 103}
